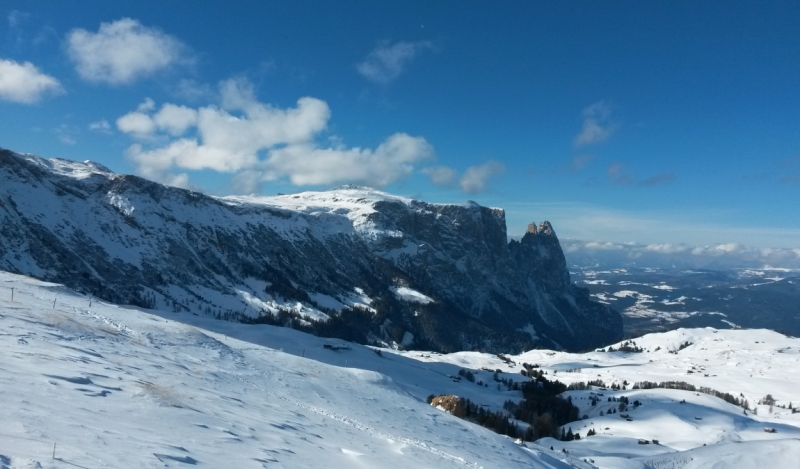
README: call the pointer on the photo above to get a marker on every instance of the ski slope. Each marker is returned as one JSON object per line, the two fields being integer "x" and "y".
{"x": 118, "y": 387}
{"x": 115, "y": 386}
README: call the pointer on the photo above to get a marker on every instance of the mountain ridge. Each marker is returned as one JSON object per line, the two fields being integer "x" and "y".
{"x": 329, "y": 262}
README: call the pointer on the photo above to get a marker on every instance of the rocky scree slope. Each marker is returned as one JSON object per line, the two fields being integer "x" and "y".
{"x": 353, "y": 262}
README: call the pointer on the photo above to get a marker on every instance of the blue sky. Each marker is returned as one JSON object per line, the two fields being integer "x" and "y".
{"x": 648, "y": 122}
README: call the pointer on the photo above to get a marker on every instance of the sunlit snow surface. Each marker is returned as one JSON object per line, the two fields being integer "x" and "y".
{"x": 408, "y": 294}
{"x": 121, "y": 387}
{"x": 117, "y": 387}
{"x": 702, "y": 432}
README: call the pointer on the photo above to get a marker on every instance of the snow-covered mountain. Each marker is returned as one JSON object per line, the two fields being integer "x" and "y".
{"x": 353, "y": 262}
{"x": 86, "y": 383}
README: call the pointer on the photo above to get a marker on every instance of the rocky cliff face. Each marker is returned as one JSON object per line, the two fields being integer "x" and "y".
{"x": 352, "y": 262}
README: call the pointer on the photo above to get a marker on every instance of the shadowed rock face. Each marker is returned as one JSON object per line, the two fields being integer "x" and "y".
{"x": 298, "y": 259}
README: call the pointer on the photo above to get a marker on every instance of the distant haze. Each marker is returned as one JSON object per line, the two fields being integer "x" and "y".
{"x": 719, "y": 256}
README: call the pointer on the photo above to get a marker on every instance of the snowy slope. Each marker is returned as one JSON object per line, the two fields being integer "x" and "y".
{"x": 118, "y": 387}
{"x": 703, "y": 431}
{"x": 122, "y": 387}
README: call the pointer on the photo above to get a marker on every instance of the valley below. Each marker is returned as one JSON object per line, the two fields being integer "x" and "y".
{"x": 661, "y": 299}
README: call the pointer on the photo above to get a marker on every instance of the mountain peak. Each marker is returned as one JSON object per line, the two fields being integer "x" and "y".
{"x": 59, "y": 166}
{"x": 545, "y": 228}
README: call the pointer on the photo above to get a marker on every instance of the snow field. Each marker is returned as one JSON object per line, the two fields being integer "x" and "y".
{"x": 119, "y": 387}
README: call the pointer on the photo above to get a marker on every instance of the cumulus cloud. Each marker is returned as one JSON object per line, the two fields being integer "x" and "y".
{"x": 305, "y": 164}
{"x": 387, "y": 61}
{"x": 476, "y": 178}
{"x": 24, "y": 83}
{"x": 122, "y": 52}
{"x": 596, "y": 125}
{"x": 261, "y": 143}
{"x": 147, "y": 105}
{"x": 137, "y": 123}
{"x": 175, "y": 120}
{"x": 441, "y": 176}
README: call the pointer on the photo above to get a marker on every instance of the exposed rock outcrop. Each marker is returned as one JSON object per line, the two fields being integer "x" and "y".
{"x": 352, "y": 262}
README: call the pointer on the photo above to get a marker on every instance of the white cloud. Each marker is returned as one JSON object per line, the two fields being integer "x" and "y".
{"x": 24, "y": 83}
{"x": 147, "y": 105}
{"x": 122, "y": 52}
{"x": 387, "y": 61}
{"x": 604, "y": 246}
{"x": 261, "y": 143}
{"x": 667, "y": 248}
{"x": 476, "y": 178}
{"x": 175, "y": 119}
{"x": 305, "y": 164}
{"x": 729, "y": 247}
{"x": 678, "y": 255}
{"x": 441, "y": 176}
{"x": 137, "y": 123}
{"x": 596, "y": 126}
{"x": 100, "y": 126}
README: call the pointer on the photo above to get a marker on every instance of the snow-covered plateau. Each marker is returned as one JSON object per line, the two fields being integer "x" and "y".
{"x": 85, "y": 383}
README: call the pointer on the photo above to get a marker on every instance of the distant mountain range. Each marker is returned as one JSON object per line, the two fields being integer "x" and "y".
{"x": 353, "y": 262}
